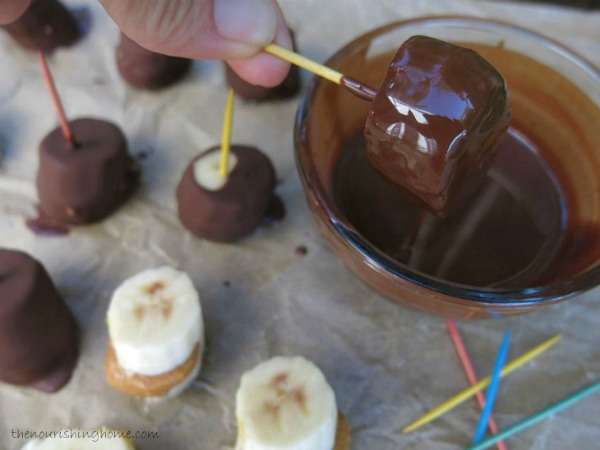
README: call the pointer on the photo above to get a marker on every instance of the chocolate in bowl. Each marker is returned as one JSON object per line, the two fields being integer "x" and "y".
{"x": 529, "y": 238}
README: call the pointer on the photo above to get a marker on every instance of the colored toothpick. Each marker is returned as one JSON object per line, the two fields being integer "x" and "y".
{"x": 357, "y": 88}
{"x": 470, "y": 392}
{"x": 465, "y": 359}
{"x": 540, "y": 416}
{"x": 226, "y": 135}
{"x": 492, "y": 392}
{"x": 56, "y": 101}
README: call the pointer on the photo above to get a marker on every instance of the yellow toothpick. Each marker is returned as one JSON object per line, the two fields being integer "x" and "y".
{"x": 470, "y": 392}
{"x": 226, "y": 135}
{"x": 305, "y": 63}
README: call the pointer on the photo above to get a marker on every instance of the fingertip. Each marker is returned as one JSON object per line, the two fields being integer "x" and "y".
{"x": 263, "y": 69}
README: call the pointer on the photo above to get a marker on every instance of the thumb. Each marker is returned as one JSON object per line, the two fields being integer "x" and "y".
{"x": 11, "y": 10}
{"x": 208, "y": 29}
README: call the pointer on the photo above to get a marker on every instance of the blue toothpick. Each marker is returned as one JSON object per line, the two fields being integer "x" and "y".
{"x": 493, "y": 389}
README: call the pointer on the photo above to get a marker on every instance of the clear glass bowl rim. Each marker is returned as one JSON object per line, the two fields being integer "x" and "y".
{"x": 380, "y": 261}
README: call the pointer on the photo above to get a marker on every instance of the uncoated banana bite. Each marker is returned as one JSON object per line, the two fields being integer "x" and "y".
{"x": 286, "y": 403}
{"x": 156, "y": 334}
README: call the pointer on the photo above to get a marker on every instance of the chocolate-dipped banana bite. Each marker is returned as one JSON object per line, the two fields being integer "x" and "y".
{"x": 38, "y": 334}
{"x": 85, "y": 182}
{"x": 225, "y": 209}
{"x": 435, "y": 122}
{"x": 288, "y": 88}
{"x": 145, "y": 69}
{"x": 46, "y": 25}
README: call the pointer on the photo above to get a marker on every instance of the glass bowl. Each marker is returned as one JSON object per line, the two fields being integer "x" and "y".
{"x": 328, "y": 116}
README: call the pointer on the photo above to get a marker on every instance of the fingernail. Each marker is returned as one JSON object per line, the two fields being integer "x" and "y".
{"x": 248, "y": 21}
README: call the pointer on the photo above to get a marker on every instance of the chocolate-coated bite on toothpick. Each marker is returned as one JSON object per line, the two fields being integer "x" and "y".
{"x": 434, "y": 124}
{"x": 145, "y": 69}
{"x": 38, "y": 334}
{"x": 85, "y": 171}
{"x": 46, "y": 25}
{"x": 86, "y": 181}
{"x": 288, "y": 88}
{"x": 225, "y": 209}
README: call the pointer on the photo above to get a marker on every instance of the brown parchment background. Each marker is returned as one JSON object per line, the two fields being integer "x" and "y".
{"x": 386, "y": 364}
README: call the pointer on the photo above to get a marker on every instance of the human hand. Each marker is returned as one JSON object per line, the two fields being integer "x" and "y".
{"x": 232, "y": 30}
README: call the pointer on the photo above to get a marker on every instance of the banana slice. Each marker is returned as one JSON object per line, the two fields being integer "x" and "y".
{"x": 103, "y": 439}
{"x": 286, "y": 404}
{"x": 155, "y": 322}
{"x": 207, "y": 170}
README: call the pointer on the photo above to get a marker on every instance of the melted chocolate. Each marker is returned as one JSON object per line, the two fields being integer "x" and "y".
{"x": 38, "y": 334}
{"x": 543, "y": 187}
{"x": 359, "y": 89}
{"x": 85, "y": 183}
{"x": 435, "y": 122}
{"x": 46, "y": 25}
{"x": 235, "y": 210}
{"x": 145, "y": 69}
{"x": 509, "y": 233}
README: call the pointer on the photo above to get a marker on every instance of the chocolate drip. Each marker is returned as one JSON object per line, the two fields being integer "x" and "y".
{"x": 359, "y": 89}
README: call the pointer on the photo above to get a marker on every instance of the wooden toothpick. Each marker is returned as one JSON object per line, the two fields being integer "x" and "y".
{"x": 226, "y": 135}
{"x": 58, "y": 106}
{"x": 301, "y": 61}
{"x": 356, "y": 87}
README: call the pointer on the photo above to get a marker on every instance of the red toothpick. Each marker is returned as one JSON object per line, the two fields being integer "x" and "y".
{"x": 467, "y": 364}
{"x": 58, "y": 106}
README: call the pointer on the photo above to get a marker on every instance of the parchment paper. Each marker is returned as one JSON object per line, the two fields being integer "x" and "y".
{"x": 387, "y": 364}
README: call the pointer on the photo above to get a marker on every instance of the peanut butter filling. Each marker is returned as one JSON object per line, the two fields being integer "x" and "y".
{"x": 147, "y": 386}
